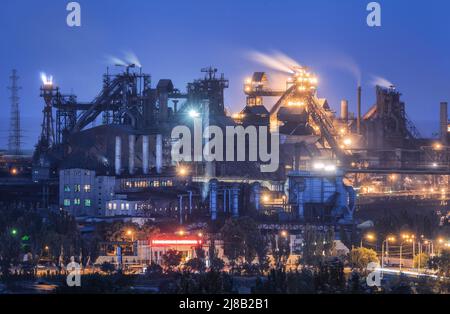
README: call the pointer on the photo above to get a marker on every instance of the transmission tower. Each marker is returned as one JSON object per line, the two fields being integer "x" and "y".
{"x": 14, "y": 141}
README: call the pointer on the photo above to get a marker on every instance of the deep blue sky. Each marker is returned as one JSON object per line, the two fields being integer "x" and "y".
{"x": 174, "y": 39}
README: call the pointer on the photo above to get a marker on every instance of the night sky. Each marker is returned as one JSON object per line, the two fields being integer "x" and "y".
{"x": 174, "y": 39}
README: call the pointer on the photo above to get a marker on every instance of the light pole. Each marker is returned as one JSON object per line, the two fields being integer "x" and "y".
{"x": 130, "y": 233}
{"x": 401, "y": 249}
{"x": 368, "y": 237}
{"x": 385, "y": 242}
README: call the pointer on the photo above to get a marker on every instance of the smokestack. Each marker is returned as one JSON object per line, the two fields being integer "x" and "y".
{"x": 358, "y": 121}
{"x": 118, "y": 153}
{"x": 131, "y": 153}
{"x": 159, "y": 143}
{"x": 344, "y": 110}
{"x": 145, "y": 150}
{"x": 444, "y": 122}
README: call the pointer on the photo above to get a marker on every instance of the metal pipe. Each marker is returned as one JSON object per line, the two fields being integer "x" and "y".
{"x": 224, "y": 200}
{"x": 145, "y": 152}
{"x": 235, "y": 210}
{"x": 256, "y": 194}
{"x": 190, "y": 202}
{"x": 213, "y": 199}
{"x": 358, "y": 122}
{"x": 131, "y": 153}
{"x": 159, "y": 143}
{"x": 344, "y": 110}
{"x": 181, "y": 208}
{"x": 444, "y": 122}
{"x": 118, "y": 155}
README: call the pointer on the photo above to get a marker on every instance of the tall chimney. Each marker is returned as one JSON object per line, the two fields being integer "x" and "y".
{"x": 131, "y": 153}
{"x": 159, "y": 153}
{"x": 344, "y": 110}
{"x": 358, "y": 121}
{"x": 118, "y": 154}
{"x": 443, "y": 123}
{"x": 145, "y": 151}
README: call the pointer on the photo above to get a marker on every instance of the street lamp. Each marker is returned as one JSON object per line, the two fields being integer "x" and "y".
{"x": 194, "y": 114}
{"x": 386, "y": 242}
{"x": 408, "y": 240}
{"x": 369, "y": 237}
{"x": 130, "y": 233}
{"x": 182, "y": 171}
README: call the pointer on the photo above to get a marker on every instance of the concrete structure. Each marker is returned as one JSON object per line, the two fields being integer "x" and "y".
{"x": 82, "y": 193}
{"x": 321, "y": 196}
{"x": 77, "y": 191}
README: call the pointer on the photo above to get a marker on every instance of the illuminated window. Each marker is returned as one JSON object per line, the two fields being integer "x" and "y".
{"x": 66, "y": 202}
{"x": 66, "y": 188}
{"x": 122, "y": 206}
{"x": 127, "y": 206}
{"x": 87, "y": 202}
{"x": 114, "y": 206}
{"x": 77, "y": 201}
{"x": 87, "y": 188}
{"x": 110, "y": 206}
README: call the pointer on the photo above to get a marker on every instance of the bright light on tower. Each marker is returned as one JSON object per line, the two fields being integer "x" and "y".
{"x": 47, "y": 80}
{"x": 193, "y": 114}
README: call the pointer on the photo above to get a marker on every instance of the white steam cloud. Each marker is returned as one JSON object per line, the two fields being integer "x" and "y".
{"x": 276, "y": 61}
{"x": 133, "y": 59}
{"x": 115, "y": 61}
{"x": 347, "y": 64}
{"x": 380, "y": 81}
{"x": 129, "y": 57}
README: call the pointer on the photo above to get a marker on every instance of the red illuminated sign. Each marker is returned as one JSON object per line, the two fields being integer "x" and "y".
{"x": 165, "y": 242}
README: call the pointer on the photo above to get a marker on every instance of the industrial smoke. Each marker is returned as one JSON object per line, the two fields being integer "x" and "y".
{"x": 380, "y": 81}
{"x": 276, "y": 61}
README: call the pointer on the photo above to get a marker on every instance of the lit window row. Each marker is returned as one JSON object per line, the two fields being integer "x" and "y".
{"x": 77, "y": 202}
{"x": 77, "y": 188}
{"x": 147, "y": 184}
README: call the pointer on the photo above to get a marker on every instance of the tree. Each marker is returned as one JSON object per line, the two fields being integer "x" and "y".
{"x": 361, "y": 257}
{"x": 108, "y": 268}
{"x": 241, "y": 237}
{"x": 421, "y": 258}
{"x": 171, "y": 259}
{"x": 280, "y": 250}
{"x": 9, "y": 252}
{"x": 216, "y": 264}
{"x": 196, "y": 265}
{"x": 317, "y": 245}
{"x": 441, "y": 263}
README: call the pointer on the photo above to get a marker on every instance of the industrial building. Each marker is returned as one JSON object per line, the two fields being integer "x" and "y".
{"x": 126, "y": 160}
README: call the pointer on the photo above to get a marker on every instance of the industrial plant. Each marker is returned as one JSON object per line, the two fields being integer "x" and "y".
{"x": 112, "y": 159}
{"x": 112, "y": 156}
